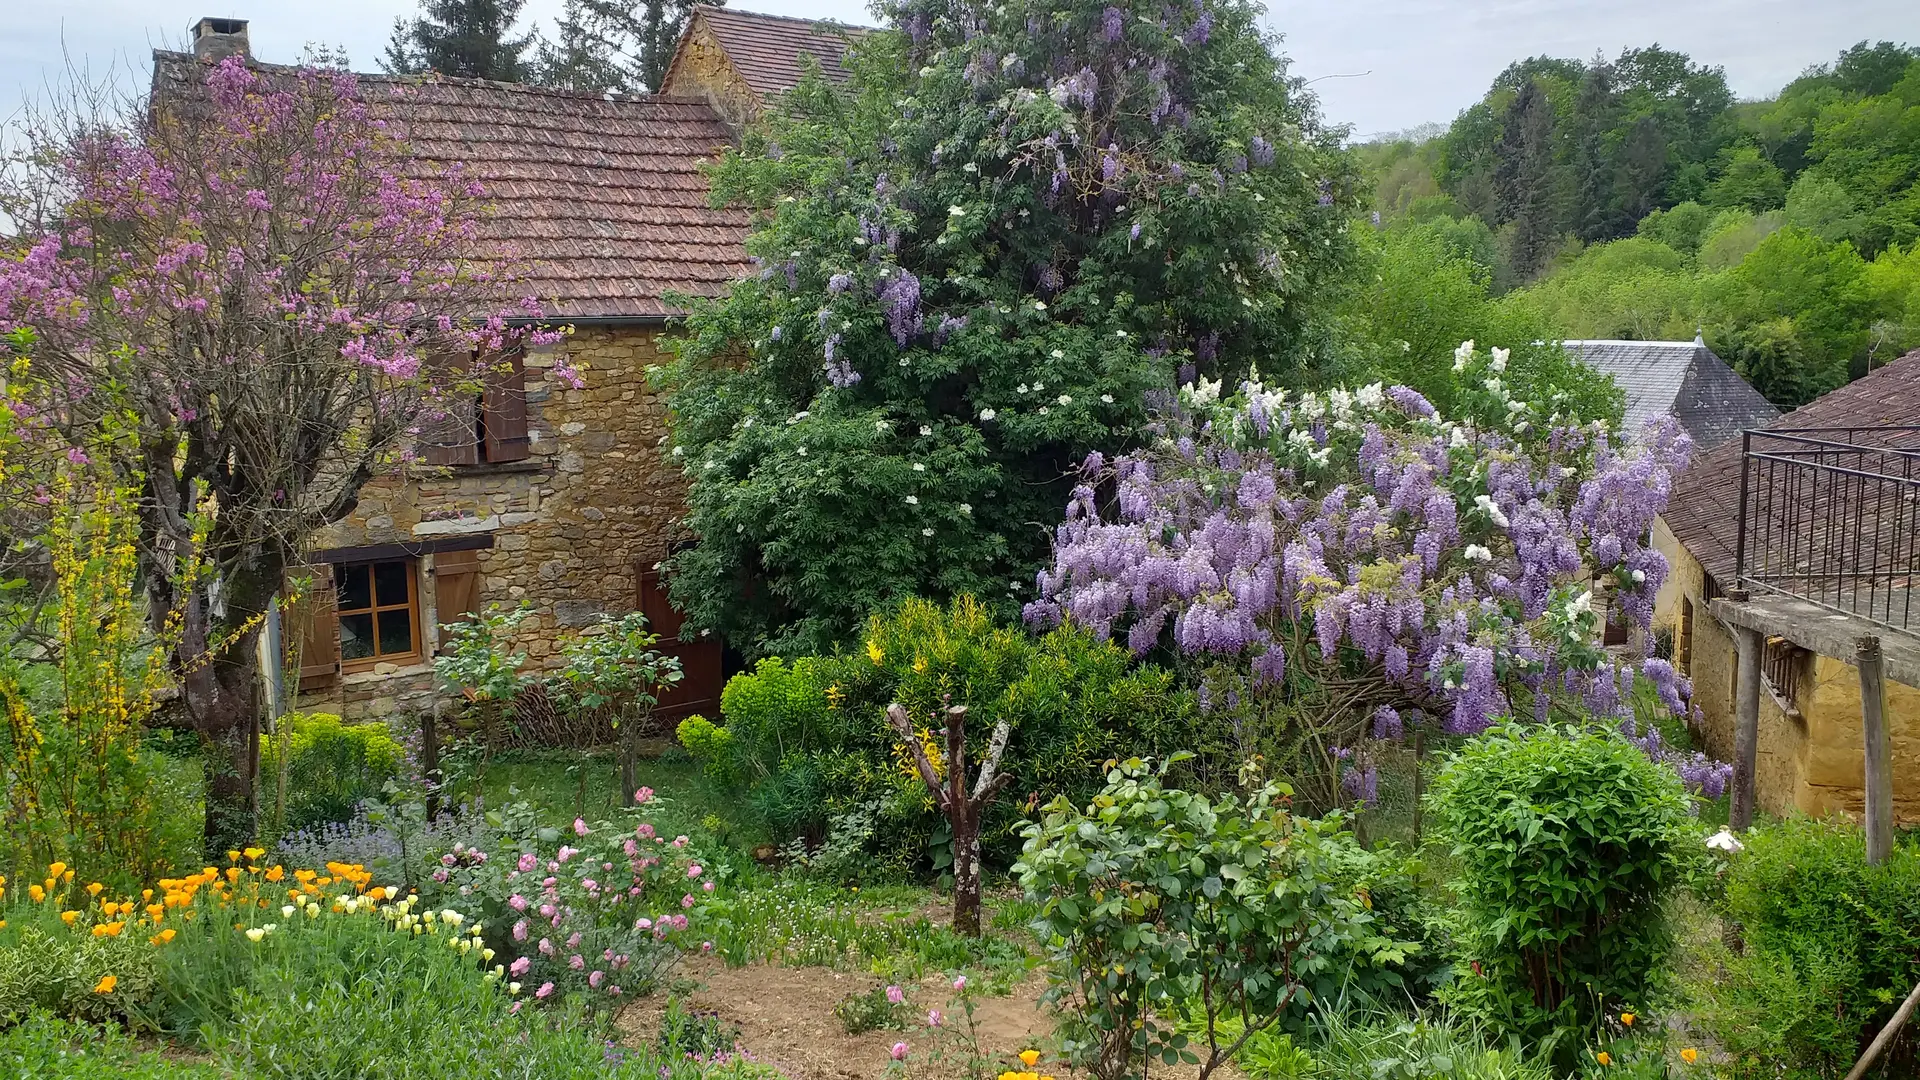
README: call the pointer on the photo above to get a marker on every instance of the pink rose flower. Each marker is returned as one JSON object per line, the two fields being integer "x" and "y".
{"x": 577, "y": 962}
{"x": 960, "y": 983}
{"x": 519, "y": 967}
{"x": 899, "y": 1051}
{"x": 527, "y": 862}
{"x": 580, "y": 827}
{"x": 933, "y": 1017}
{"x": 896, "y": 995}
{"x": 517, "y": 902}
{"x": 546, "y": 990}
{"x": 594, "y": 980}
{"x": 643, "y": 795}
{"x": 520, "y": 930}
{"x": 694, "y": 870}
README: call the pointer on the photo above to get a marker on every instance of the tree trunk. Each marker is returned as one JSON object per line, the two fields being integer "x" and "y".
{"x": 629, "y": 759}
{"x": 966, "y": 876}
{"x": 222, "y": 697}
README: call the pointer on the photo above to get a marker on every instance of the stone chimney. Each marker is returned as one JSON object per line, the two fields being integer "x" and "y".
{"x": 217, "y": 39}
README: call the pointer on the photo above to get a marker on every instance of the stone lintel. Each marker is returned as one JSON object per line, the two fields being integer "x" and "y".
{"x": 1819, "y": 630}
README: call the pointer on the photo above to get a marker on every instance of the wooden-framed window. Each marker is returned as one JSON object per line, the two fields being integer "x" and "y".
{"x": 1683, "y": 639}
{"x": 377, "y": 607}
{"x": 481, "y": 427}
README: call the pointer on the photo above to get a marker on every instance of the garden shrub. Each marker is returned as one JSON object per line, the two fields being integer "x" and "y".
{"x": 1568, "y": 842}
{"x": 331, "y": 767}
{"x": 808, "y": 741}
{"x": 46, "y": 1047}
{"x": 1830, "y": 947}
{"x": 1154, "y": 900}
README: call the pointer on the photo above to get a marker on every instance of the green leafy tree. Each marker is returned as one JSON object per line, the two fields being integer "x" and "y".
{"x": 621, "y": 45}
{"x": 1156, "y": 900}
{"x": 1748, "y": 181}
{"x": 977, "y": 259}
{"x": 467, "y": 38}
{"x": 476, "y": 664}
{"x": 614, "y": 665}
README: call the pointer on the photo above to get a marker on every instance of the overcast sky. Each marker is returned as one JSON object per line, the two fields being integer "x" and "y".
{"x": 1424, "y": 60}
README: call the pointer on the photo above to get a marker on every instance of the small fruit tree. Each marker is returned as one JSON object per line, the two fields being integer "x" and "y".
{"x": 1155, "y": 900}
{"x": 963, "y": 810}
{"x": 614, "y": 665}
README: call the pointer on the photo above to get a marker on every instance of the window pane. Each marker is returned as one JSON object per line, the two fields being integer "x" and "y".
{"x": 351, "y": 581}
{"x": 356, "y": 636}
{"x": 396, "y": 632}
{"x": 390, "y": 583}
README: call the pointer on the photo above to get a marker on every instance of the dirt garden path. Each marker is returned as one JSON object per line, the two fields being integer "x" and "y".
{"x": 785, "y": 1016}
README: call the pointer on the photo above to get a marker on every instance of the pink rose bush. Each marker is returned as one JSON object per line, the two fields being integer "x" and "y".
{"x": 600, "y": 917}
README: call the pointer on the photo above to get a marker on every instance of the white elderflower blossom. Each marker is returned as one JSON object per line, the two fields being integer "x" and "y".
{"x": 1058, "y": 355}
{"x": 925, "y": 429}
{"x": 1491, "y": 509}
{"x": 919, "y": 466}
{"x": 1022, "y": 388}
{"x": 926, "y": 532}
{"x": 988, "y": 414}
{"x": 956, "y": 211}
{"x": 1106, "y": 399}
{"x": 1066, "y": 399}
{"x": 913, "y": 500}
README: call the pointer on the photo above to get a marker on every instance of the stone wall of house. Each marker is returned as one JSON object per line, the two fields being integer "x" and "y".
{"x": 703, "y": 70}
{"x": 1810, "y": 759}
{"x": 572, "y": 526}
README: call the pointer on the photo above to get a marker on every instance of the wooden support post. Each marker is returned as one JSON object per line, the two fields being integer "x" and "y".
{"x": 1879, "y": 755}
{"x": 1881, "y": 1041}
{"x": 1746, "y": 731}
{"x": 430, "y": 759}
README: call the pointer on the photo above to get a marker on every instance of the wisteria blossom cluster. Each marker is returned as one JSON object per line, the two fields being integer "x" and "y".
{"x": 1450, "y": 566}
{"x": 975, "y": 258}
{"x": 603, "y": 914}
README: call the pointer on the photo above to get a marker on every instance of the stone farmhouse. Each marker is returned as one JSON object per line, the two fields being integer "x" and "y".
{"x": 559, "y": 497}
{"x": 1789, "y": 545}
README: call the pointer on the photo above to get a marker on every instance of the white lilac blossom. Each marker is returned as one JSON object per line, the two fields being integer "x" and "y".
{"x": 1217, "y": 546}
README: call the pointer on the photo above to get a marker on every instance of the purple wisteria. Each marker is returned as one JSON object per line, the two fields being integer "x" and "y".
{"x": 1452, "y": 565}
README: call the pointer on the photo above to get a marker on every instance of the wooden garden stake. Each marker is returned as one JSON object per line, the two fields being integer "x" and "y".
{"x": 963, "y": 810}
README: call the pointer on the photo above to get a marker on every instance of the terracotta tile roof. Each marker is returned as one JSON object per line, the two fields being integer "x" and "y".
{"x": 769, "y": 51}
{"x": 1704, "y": 511}
{"x": 1682, "y": 379}
{"x": 601, "y": 198}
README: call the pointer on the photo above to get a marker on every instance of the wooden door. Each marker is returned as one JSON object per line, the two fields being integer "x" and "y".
{"x": 700, "y": 661}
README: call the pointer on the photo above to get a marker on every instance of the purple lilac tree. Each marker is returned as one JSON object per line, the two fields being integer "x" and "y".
{"x": 1351, "y": 560}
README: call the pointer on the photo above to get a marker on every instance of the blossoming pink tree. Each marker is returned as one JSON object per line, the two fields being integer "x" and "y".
{"x": 1340, "y": 559}
{"x": 253, "y": 272}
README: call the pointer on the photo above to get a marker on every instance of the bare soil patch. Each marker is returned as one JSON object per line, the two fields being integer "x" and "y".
{"x": 785, "y": 1016}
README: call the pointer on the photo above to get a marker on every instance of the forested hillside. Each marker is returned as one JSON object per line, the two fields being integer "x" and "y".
{"x": 1636, "y": 198}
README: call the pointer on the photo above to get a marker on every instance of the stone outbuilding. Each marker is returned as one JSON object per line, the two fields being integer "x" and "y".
{"x": 1795, "y": 542}
{"x": 537, "y": 491}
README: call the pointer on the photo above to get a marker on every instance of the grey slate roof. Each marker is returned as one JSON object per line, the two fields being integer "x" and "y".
{"x": 1683, "y": 379}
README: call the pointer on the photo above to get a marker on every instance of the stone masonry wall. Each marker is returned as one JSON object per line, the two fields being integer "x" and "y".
{"x": 571, "y": 525}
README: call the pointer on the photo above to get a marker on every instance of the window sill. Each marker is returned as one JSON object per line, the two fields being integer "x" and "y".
{"x": 493, "y": 468}
{"x": 386, "y": 669}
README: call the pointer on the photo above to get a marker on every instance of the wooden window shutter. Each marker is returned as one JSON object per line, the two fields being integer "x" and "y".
{"x": 505, "y": 411}
{"x": 456, "y": 589}
{"x": 448, "y": 434}
{"x": 319, "y": 636}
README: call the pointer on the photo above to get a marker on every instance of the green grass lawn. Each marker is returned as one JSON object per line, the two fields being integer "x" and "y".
{"x": 565, "y": 784}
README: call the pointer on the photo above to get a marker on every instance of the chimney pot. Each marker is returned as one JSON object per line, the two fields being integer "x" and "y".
{"x": 217, "y": 39}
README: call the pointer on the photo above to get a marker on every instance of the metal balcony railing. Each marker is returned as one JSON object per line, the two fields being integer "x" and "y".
{"x": 1832, "y": 516}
